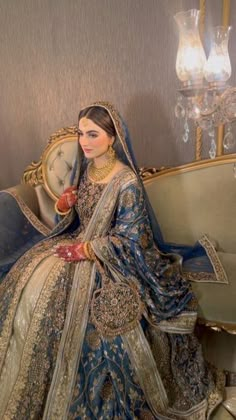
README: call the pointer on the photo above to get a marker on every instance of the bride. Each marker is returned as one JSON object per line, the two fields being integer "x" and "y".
{"x": 96, "y": 322}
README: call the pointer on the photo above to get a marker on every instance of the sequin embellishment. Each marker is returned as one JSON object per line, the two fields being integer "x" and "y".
{"x": 116, "y": 308}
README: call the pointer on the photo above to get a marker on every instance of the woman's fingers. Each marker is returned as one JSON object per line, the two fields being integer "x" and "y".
{"x": 68, "y": 199}
{"x": 71, "y": 198}
{"x": 62, "y": 251}
{"x": 70, "y": 253}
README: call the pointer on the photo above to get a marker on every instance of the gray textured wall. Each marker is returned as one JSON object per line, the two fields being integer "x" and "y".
{"x": 59, "y": 55}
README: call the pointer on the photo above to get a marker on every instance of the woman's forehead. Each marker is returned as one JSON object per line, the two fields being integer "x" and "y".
{"x": 87, "y": 124}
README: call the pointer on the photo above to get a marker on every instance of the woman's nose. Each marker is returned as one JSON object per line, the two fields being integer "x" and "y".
{"x": 83, "y": 141}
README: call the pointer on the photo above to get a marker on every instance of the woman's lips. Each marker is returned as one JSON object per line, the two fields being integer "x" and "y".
{"x": 87, "y": 150}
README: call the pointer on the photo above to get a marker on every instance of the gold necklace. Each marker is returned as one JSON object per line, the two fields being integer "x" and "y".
{"x": 98, "y": 174}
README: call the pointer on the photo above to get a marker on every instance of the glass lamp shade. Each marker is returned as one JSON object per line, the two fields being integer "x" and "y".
{"x": 191, "y": 57}
{"x": 218, "y": 67}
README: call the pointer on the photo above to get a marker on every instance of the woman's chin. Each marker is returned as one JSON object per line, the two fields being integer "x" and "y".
{"x": 88, "y": 155}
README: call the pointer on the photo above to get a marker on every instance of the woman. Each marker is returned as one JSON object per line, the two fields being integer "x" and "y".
{"x": 98, "y": 324}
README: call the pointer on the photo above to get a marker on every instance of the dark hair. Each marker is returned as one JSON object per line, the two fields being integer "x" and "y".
{"x": 100, "y": 117}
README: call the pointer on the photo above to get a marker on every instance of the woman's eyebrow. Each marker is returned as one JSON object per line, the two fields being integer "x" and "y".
{"x": 88, "y": 132}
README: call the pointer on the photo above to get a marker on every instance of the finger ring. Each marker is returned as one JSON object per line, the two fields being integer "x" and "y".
{"x": 69, "y": 254}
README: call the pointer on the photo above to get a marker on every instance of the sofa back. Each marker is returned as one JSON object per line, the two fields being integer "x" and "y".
{"x": 196, "y": 199}
{"x": 59, "y": 165}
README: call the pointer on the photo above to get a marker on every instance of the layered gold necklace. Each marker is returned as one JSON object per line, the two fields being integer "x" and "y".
{"x": 98, "y": 174}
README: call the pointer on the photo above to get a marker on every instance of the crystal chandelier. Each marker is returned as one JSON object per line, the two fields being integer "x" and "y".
{"x": 205, "y": 97}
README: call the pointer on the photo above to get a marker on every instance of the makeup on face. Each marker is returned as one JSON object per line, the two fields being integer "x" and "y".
{"x": 93, "y": 139}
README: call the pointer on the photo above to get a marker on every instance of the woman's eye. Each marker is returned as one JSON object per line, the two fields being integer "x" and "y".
{"x": 93, "y": 136}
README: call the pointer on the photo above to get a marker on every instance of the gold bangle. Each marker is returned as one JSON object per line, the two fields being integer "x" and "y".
{"x": 86, "y": 250}
{"x": 60, "y": 212}
{"x": 89, "y": 251}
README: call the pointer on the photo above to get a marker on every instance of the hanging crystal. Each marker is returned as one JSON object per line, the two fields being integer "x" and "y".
{"x": 211, "y": 133}
{"x": 205, "y": 123}
{"x": 192, "y": 109}
{"x": 229, "y": 140}
{"x": 186, "y": 131}
{"x": 212, "y": 151}
{"x": 179, "y": 108}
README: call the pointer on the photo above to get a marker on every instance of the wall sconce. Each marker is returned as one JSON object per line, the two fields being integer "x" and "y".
{"x": 204, "y": 97}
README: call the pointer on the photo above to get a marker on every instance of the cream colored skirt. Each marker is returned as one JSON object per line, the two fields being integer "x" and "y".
{"x": 21, "y": 326}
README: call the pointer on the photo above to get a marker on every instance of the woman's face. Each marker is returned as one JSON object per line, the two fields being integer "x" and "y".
{"x": 93, "y": 139}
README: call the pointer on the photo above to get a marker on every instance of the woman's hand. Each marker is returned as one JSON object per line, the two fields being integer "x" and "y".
{"x": 67, "y": 199}
{"x": 71, "y": 253}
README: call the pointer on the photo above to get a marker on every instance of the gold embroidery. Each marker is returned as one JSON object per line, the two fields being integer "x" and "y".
{"x": 146, "y": 370}
{"x": 93, "y": 339}
{"x": 90, "y": 194}
{"x": 144, "y": 240}
{"x": 71, "y": 342}
{"x": 197, "y": 412}
{"x": 116, "y": 308}
{"x": 180, "y": 406}
{"x": 215, "y": 396}
{"x": 200, "y": 276}
{"x": 146, "y": 415}
{"x": 40, "y": 312}
{"x": 96, "y": 224}
{"x": 212, "y": 254}
{"x": 161, "y": 350}
{"x": 128, "y": 199}
{"x": 107, "y": 391}
{"x": 16, "y": 276}
{"x": 30, "y": 215}
{"x": 15, "y": 282}
{"x": 182, "y": 324}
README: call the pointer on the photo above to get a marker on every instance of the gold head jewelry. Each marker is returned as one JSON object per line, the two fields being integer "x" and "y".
{"x": 98, "y": 174}
{"x": 85, "y": 121}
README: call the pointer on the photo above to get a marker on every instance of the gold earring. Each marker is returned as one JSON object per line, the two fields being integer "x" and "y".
{"x": 111, "y": 152}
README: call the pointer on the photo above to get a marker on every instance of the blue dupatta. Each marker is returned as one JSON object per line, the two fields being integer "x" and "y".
{"x": 200, "y": 261}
